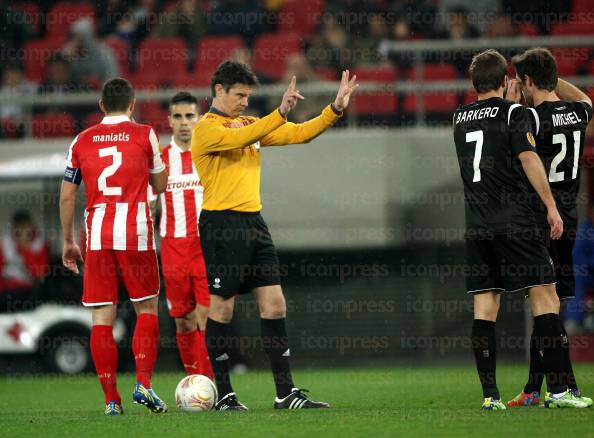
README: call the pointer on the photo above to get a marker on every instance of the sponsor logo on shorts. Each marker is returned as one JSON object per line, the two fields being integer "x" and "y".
{"x": 217, "y": 283}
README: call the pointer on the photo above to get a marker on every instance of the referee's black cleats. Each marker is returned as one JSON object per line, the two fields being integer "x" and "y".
{"x": 230, "y": 403}
{"x": 298, "y": 400}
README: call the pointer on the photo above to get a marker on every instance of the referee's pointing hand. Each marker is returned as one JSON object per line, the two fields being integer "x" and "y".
{"x": 290, "y": 97}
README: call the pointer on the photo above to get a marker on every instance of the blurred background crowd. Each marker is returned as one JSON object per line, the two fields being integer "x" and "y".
{"x": 55, "y": 48}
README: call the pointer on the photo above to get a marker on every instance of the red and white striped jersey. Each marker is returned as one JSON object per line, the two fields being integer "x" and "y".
{"x": 182, "y": 201}
{"x": 115, "y": 159}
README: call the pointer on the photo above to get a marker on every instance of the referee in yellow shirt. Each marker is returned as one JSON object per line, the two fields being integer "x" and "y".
{"x": 238, "y": 250}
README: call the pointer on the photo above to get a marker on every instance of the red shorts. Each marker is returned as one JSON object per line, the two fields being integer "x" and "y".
{"x": 185, "y": 275}
{"x": 104, "y": 269}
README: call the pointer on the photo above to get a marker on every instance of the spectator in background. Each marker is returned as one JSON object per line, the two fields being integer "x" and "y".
{"x": 399, "y": 31}
{"x": 501, "y": 27}
{"x": 24, "y": 261}
{"x": 89, "y": 59}
{"x": 59, "y": 79}
{"x": 481, "y": 14}
{"x": 298, "y": 66}
{"x": 367, "y": 48}
{"x": 237, "y": 17}
{"x": 109, "y": 14}
{"x": 458, "y": 28}
{"x": 187, "y": 21}
{"x": 134, "y": 23}
{"x": 15, "y": 85}
{"x": 419, "y": 15}
{"x": 331, "y": 46}
{"x": 583, "y": 268}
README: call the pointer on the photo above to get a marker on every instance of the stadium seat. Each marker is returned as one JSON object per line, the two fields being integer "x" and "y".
{"x": 578, "y": 6}
{"x": 8, "y": 128}
{"x": 212, "y": 50}
{"x": 579, "y": 28}
{"x": 438, "y": 102}
{"x": 271, "y": 51}
{"x": 570, "y": 59}
{"x": 300, "y": 16}
{"x": 35, "y": 55}
{"x": 92, "y": 120}
{"x": 155, "y": 115}
{"x": 469, "y": 97}
{"x": 146, "y": 80}
{"x": 53, "y": 125}
{"x": 528, "y": 29}
{"x": 163, "y": 56}
{"x": 375, "y": 102}
{"x": 121, "y": 52}
{"x": 327, "y": 73}
{"x": 63, "y": 14}
{"x": 32, "y": 14}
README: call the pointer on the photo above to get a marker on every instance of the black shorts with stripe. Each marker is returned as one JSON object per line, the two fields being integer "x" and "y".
{"x": 238, "y": 252}
{"x": 507, "y": 262}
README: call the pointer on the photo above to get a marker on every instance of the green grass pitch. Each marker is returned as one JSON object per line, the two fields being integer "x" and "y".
{"x": 401, "y": 401}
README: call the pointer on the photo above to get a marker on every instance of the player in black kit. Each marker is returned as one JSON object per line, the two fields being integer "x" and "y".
{"x": 559, "y": 114}
{"x": 496, "y": 154}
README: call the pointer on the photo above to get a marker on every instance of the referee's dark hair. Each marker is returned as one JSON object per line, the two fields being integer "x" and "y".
{"x": 488, "y": 70}
{"x": 117, "y": 94}
{"x": 540, "y": 65}
{"x": 183, "y": 97}
{"x": 230, "y": 73}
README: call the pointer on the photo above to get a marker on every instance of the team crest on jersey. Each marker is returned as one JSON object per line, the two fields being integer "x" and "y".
{"x": 530, "y": 138}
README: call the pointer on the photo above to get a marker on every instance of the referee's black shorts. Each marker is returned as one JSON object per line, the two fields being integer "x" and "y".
{"x": 238, "y": 252}
{"x": 561, "y": 251}
{"x": 507, "y": 262}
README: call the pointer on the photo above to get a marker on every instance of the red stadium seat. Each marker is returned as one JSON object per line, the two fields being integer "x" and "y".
{"x": 63, "y": 14}
{"x": 53, "y": 125}
{"x": 32, "y": 14}
{"x": 469, "y": 97}
{"x": 300, "y": 16}
{"x": 439, "y": 102}
{"x": 121, "y": 52}
{"x": 153, "y": 114}
{"x": 35, "y": 55}
{"x": 92, "y": 120}
{"x": 528, "y": 29}
{"x": 8, "y": 128}
{"x": 578, "y": 6}
{"x": 163, "y": 56}
{"x": 570, "y": 59}
{"x": 213, "y": 50}
{"x": 579, "y": 28}
{"x": 146, "y": 80}
{"x": 327, "y": 73}
{"x": 271, "y": 52}
{"x": 375, "y": 102}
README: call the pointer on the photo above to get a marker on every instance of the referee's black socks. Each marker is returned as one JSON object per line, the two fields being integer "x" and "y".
{"x": 276, "y": 345}
{"x": 217, "y": 343}
{"x": 484, "y": 349}
{"x": 549, "y": 332}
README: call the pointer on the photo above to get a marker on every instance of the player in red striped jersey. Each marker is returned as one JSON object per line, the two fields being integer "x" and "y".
{"x": 116, "y": 160}
{"x": 181, "y": 254}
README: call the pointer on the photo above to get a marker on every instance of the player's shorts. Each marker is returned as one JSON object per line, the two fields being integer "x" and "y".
{"x": 507, "y": 262}
{"x": 561, "y": 251}
{"x": 184, "y": 273}
{"x": 104, "y": 269}
{"x": 238, "y": 252}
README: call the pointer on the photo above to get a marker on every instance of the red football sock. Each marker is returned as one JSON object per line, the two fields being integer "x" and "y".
{"x": 145, "y": 343}
{"x": 203, "y": 359}
{"x": 187, "y": 344}
{"x": 105, "y": 357}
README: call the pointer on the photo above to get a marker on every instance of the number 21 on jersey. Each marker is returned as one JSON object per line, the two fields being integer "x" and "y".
{"x": 110, "y": 170}
{"x": 561, "y": 139}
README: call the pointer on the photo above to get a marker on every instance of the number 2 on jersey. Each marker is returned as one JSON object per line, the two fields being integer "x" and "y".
{"x": 110, "y": 171}
{"x": 554, "y": 175}
{"x": 476, "y": 136}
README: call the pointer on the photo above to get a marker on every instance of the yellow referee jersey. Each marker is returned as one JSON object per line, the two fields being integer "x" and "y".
{"x": 226, "y": 153}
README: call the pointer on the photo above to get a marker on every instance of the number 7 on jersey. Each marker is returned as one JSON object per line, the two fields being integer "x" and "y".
{"x": 477, "y": 137}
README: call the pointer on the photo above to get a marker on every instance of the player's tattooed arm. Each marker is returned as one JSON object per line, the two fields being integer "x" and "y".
{"x": 71, "y": 252}
{"x": 571, "y": 93}
{"x": 535, "y": 171}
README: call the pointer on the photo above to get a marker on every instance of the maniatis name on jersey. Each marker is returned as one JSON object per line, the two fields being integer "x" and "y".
{"x": 560, "y": 129}
{"x": 489, "y": 135}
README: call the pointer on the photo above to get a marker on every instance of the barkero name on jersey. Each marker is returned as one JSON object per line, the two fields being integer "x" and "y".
{"x": 120, "y": 136}
{"x": 476, "y": 114}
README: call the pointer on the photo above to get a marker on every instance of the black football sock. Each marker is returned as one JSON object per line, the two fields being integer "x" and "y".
{"x": 217, "y": 343}
{"x": 535, "y": 375}
{"x": 276, "y": 345}
{"x": 571, "y": 382}
{"x": 484, "y": 348}
{"x": 548, "y": 330}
